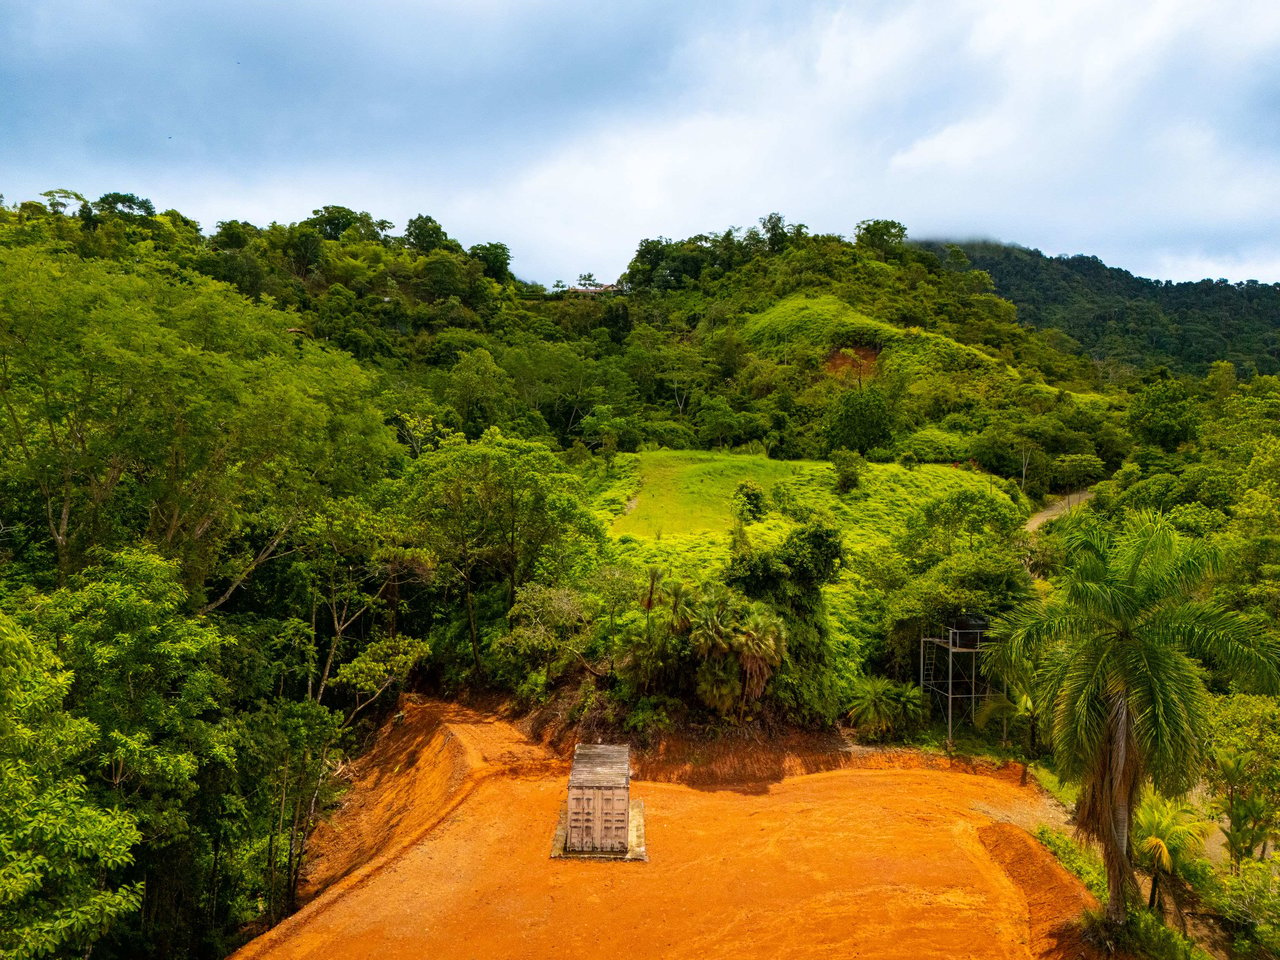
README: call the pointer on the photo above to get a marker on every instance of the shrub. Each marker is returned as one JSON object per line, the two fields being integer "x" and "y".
{"x": 748, "y": 502}
{"x": 883, "y": 709}
{"x": 849, "y": 468}
{"x": 908, "y": 459}
{"x": 1250, "y": 899}
{"x": 932, "y": 445}
{"x": 651, "y": 716}
{"x": 1143, "y": 934}
{"x": 1079, "y": 860}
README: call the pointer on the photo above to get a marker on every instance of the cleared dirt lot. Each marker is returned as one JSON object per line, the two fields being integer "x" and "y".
{"x": 850, "y": 862}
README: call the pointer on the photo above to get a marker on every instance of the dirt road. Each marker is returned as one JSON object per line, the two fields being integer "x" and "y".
{"x": 1060, "y": 506}
{"x": 852, "y": 862}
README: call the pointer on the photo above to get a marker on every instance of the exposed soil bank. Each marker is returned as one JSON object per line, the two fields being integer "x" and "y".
{"x": 853, "y": 861}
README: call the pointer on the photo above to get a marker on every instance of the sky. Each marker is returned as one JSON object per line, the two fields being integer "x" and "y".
{"x": 1145, "y": 133}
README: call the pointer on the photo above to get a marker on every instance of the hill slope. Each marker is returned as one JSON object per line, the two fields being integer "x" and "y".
{"x": 1118, "y": 316}
{"x": 673, "y": 509}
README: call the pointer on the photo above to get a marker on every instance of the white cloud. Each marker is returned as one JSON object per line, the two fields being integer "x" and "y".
{"x": 1141, "y": 131}
{"x": 1200, "y": 265}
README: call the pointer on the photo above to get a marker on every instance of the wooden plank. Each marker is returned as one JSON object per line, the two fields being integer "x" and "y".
{"x": 599, "y": 764}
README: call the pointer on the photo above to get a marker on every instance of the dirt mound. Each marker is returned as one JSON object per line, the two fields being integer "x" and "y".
{"x": 762, "y": 858}
{"x": 852, "y": 363}
{"x": 417, "y": 766}
{"x": 425, "y": 763}
{"x": 1055, "y": 899}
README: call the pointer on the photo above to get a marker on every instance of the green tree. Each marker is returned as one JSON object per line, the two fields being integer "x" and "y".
{"x": 882, "y": 709}
{"x": 1249, "y": 817}
{"x": 1119, "y": 684}
{"x": 496, "y": 259}
{"x": 967, "y": 519}
{"x": 748, "y": 501}
{"x": 499, "y": 511}
{"x": 882, "y": 238}
{"x": 480, "y": 391}
{"x": 425, "y": 234}
{"x": 137, "y": 408}
{"x": 1163, "y": 413}
{"x": 860, "y": 420}
{"x": 1167, "y": 834}
{"x": 849, "y": 468}
{"x": 147, "y": 676}
{"x": 60, "y": 849}
{"x": 1075, "y": 470}
{"x": 1244, "y": 772}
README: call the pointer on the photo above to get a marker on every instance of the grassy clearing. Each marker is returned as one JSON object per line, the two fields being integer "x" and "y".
{"x": 672, "y": 509}
{"x": 686, "y": 493}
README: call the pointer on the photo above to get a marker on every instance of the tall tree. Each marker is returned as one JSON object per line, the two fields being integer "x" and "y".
{"x": 57, "y": 844}
{"x": 1119, "y": 685}
{"x": 499, "y": 511}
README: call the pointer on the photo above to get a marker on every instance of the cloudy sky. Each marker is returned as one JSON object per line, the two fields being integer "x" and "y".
{"x": 1147, "y": 133}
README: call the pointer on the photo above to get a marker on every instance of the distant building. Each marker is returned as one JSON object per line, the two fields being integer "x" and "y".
{"x": 594, "y": 291}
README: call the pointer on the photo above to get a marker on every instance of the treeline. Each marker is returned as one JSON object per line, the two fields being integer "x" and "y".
{"x": 259, "y": 480}
{"x": 1134, "y": 322}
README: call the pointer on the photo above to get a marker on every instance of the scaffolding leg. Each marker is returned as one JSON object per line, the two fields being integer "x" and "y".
{"x": 950, "y": 699}
{"x": 973, "y": 688}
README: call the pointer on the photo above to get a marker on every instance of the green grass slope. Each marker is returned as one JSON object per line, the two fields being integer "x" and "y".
{"x": 830, "y": 323}
{"x": 673, "y": 509}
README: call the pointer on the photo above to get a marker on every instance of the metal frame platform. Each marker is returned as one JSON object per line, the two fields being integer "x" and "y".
{"x": 960, "y": 678}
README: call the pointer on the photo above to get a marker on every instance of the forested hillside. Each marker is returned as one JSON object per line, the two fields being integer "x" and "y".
{"x": 1128, "y": 320}
{"x": 260, "y": 479}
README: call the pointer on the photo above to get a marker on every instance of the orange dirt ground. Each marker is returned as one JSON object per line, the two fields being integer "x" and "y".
{"x": 441, "y": 851}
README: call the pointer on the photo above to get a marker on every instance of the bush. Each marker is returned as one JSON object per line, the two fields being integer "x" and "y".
{"x": 748, "y": 502}
{"x": 651, "y": 716}
{"x": 849, "y": 468}
{"x": 1079, "y": 860}
{"x": 932, "y": 445}
{"x": 1143, "y": 934}
{"x": 1250, "y": 900}
{"x": 908, "y": 459}
{"x": 883, "y": 709}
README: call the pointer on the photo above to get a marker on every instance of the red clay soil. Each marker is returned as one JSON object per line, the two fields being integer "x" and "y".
{"x": 422, "y": 766}
{"x": 848, "y": 362}
{"x": 853, "y": 861}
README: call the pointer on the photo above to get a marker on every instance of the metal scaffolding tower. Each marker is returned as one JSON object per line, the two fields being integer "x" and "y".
{"x": 950, "y": 672}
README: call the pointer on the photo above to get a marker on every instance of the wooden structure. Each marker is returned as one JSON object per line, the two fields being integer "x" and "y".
{"x": 950, "y": 670}
{"x": 599, "y": 812}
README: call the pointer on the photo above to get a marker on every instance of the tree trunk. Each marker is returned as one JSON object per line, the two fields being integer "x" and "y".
{"x": 471, "y": 624}
{"x": 1119, "y": 792}
{"x": 1155, "y": 890}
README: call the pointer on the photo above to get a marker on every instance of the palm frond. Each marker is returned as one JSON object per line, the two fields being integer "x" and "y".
{"x": 1239, "y": 644}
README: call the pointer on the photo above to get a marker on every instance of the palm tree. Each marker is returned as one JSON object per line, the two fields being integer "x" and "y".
{"x": 1014, "y": 705}
{"x": 762, "y": 643}
{"x": 1017, "y": 702}
{"x": 1118, "y": 686}
{"x": 711, "y": 619}
{"x": 879, "y": 707}
{"x": 1166, "y": 833}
